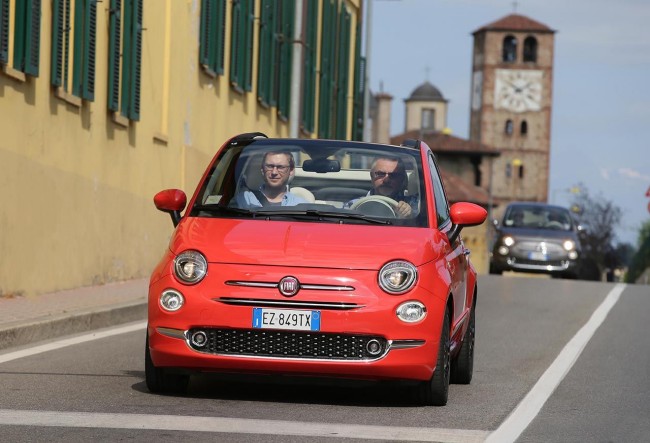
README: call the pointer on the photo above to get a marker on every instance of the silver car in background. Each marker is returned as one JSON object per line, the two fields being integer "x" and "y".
{"x": 538, "y": 238}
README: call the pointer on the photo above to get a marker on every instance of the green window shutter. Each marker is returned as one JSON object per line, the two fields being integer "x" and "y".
{"x": 90, "y": 43}
{"x": 135, "y": 52}
{"x": 4, "y": 31}
{"x": 32, "y": 37}
{"x": 309, "y": 72}
{"x": 342, "y": 82}
{"x": 359, "y": 82}
{"x": 205, "y": 34}
{"x": 248, "y": 52}
{"x": 235, "y": 44}
{"x": 220, "y": 35}
{"x": 19, "y": 35}
{"x": 266, "y": 62}
{"x": 328, "y": 48}
{"x": 286, "y": 56}
{"x": 58, "y": 8}
{"x": 114, "y": 43}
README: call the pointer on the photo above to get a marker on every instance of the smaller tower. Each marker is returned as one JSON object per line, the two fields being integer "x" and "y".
{"x": 426, "y": 109}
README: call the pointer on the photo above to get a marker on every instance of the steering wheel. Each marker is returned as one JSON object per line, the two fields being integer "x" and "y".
{"x": 378, "y": 205}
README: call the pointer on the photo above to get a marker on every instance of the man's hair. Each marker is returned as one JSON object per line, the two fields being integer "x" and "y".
{"x": 292, "y": 163}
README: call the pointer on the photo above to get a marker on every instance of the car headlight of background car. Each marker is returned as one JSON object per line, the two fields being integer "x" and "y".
{"x": 190, "y": 267}
{"x": 397, "y": 277}
{"x": 506, "y": 241}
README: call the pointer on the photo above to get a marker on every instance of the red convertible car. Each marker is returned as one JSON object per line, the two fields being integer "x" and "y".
{"x": 319, "y": 258}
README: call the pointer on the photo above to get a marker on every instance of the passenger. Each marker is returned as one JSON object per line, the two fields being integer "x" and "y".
{"x": 389, "y": 179}
{"x": 277, "y": 168}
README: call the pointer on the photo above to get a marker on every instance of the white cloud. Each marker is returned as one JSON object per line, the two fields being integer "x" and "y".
{"x": 635, "y": 175}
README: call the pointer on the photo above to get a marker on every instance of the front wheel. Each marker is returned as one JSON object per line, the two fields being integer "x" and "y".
{"x": 435, "y": 391}
{"x": 158, "y": 380}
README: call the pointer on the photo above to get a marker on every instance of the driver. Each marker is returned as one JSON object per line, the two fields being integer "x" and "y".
{"x": 389, "y": 179}
{"x": 277, "y": 168}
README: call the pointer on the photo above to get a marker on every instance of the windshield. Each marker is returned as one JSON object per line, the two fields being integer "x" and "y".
{"x": 315, "y": 181}
{"x": 538, "y": 217}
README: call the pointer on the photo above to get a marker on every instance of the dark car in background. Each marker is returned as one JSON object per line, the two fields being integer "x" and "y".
{"x": 538, "y": 238}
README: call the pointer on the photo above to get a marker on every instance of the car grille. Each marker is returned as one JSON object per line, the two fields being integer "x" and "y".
{"x": 288, "y": 344}
{"x": 553, "y": 263}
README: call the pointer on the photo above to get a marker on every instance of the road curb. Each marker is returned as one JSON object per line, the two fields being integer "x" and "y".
{"x": 54, "y": 327}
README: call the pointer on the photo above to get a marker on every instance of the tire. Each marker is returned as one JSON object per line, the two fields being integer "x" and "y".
{"x": 494, "y": 270}
{"x": 462, "y": 367}
{"x": 158, "y": 380}
{"x": 434, "y": 392}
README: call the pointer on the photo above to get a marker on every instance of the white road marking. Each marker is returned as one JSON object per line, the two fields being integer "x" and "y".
{"x": 236, "y": 426}
{"x": 72, "y": 341}
{"x": 532, "y": 403}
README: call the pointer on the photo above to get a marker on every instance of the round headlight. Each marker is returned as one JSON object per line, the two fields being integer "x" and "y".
{"x": 569, "y": 245}
{"x": 397, "y": 277}
{"x": 411, "y": 311}
{"x": 171, "y": 300}
{"x": 508, "y": 241}
{"x": 190, "y": 267}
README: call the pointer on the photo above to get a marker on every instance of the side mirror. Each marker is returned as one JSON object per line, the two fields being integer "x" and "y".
{"x": 172, "y": 201}
{"x": 495, "y": 222}
{"x": 465, "y": 214}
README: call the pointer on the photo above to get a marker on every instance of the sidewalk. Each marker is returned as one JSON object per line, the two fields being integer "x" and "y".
{"x": 25, "y": 320}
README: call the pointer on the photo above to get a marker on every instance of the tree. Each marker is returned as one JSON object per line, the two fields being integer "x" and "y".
{"x": 599, "y": 217}
{"x": 641, "y": 260}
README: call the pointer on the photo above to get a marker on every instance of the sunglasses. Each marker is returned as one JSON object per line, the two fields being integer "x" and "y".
{"x": 381, "y": 174}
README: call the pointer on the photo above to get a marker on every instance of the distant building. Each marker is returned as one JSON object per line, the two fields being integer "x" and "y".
{"x": 512, "y": 86}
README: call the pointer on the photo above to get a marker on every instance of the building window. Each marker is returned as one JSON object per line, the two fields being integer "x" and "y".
{"x": 521, "y": 171}
{"x": 524, "y": 128}
{"x": 81, "y": 51}
{"x": 428, "y": 119}
{"x": 509, "y": 49}
{"x": 26, "y": 35}
{"x": 530, "y": 49}
{"x": 275, "y": 54}
{"x": 508, "y": 170}
{"x": 125, "y": 49}
{"x": 212, "y": 36}
{"x": 509, "y": 127}
{"x": 241, "y": 47}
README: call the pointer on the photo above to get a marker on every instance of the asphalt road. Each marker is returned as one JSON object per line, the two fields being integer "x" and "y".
{"x": 94, "y": 390}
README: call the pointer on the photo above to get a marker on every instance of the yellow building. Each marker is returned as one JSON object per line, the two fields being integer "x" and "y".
{"x": 103, "y": 104}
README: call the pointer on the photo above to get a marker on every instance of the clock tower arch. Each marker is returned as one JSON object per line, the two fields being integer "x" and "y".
{"x": 512, "y": 83}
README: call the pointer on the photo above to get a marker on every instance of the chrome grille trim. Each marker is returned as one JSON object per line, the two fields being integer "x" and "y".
{"x": 262, "y": 284}
{"x": 173, "y": 333}
{"x": 406, "y": 344}
{"x": 261, "y": 303}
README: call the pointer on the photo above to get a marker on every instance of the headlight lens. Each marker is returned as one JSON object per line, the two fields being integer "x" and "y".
{"x": 411, "y": 311}
{"x": 397, "y": 277}
{"x": 508, "y": 241}
{"x": 171, "y": 300}
{"x": 569, "y": 245}
{"x": 190, "y": 267}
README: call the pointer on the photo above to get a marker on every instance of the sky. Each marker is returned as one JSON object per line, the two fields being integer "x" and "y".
{"x": 600, "y": 127}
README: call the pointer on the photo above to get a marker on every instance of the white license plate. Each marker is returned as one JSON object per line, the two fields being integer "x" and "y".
{"x": 539, "y": 256}
{"x": 292, "y": 319}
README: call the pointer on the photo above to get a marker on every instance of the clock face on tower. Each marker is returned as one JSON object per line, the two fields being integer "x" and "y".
{"x": 518, "y": 90}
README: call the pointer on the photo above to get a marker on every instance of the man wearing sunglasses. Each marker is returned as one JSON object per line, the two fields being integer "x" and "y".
{"x": 389, "y": 179}
{"x": 277, "y": 168}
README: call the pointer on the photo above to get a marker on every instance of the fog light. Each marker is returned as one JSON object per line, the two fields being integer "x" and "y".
{"x": 503, "y": 250}
{"x": 171, "y": 300}
{"x": 411, "y": 311}
{"x": 573, "y": 255}
{"x": 373, "y": 347}
{"x": 199, "y": 339}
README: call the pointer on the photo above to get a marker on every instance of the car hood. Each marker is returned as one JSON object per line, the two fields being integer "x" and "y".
{"x": 315, "y": 244}
{"x": 541, "y": 234}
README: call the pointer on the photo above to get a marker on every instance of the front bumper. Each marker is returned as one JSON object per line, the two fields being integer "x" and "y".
{"x": 348, "y": 321}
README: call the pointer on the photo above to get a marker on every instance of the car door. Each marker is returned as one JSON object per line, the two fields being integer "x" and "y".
{"x": 455, "y": 257}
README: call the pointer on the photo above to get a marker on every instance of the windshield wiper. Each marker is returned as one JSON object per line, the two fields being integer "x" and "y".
{"x": 223, "y": 209}
{"x": 321, "y": 214}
